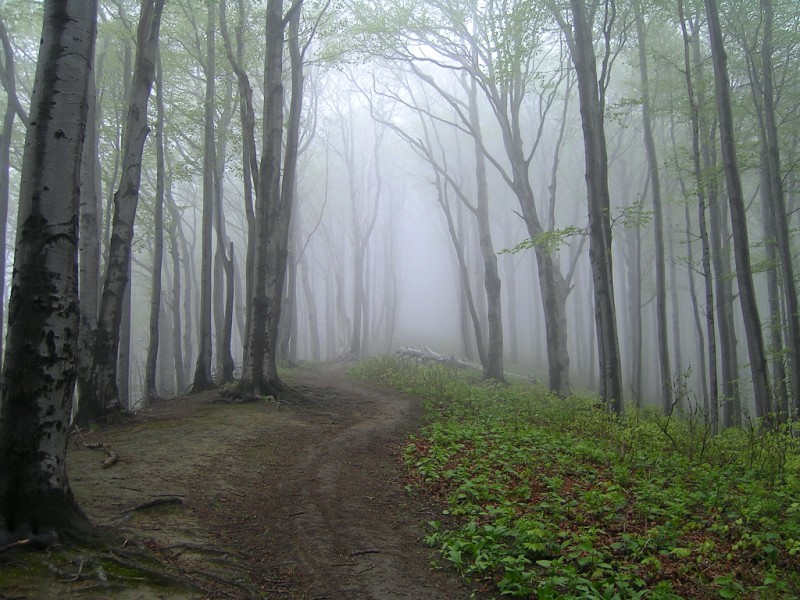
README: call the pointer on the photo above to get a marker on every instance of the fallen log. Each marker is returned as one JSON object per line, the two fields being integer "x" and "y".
{"x": 426, "y": 353}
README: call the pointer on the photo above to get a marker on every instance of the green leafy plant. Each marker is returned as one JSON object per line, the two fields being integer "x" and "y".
{"x": 552, "y": 498}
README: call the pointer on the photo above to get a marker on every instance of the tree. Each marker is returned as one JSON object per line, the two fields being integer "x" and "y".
{"x": 274, "y": 201}
{"x": 99, "y": 393}
{"x": 591, "y": 90}
{"x": 490, "y": 352}
{"x": 711, "y": 405}
{"x": 744, "y": 274}
{"x": 36, "y": 502}
{"x": 150, "y": 390}
{"x": 777, "y": 206}
{"x": 498, "y": 47}
{"x": 202, "y": 370}
{"x": 658, "y": 218}
{"x": 13, "y": 109}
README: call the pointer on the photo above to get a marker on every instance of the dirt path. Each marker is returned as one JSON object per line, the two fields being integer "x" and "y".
{"x": 263, "y": 500}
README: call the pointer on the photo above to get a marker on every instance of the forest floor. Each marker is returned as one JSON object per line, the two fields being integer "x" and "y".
{"x": 300, "y": 499}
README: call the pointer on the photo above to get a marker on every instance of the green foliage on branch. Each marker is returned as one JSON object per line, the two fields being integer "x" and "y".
{"x": 549, "y": 498}
{"x": 548, "y": 241}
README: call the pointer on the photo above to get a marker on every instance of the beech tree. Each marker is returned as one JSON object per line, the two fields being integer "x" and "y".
{"x": 13, "y": 110}
{"x": 99, "y": 393}
{"x": 36, "y": 501}
{"x": 591, "y": 90}
{"x": 150, "y": 390}
{"x": 744, "y": 275}
{"x": 274, "y": 201}
{"x": 658, "y": 213}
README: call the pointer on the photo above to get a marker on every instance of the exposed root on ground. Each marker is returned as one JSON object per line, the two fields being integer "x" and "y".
{"x": 112, "y": 457}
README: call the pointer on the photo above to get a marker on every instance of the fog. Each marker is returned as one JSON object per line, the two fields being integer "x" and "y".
{"x": 410, "y": 189}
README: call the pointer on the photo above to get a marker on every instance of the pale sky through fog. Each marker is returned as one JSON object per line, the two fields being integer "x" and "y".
{"x": 428, "y": 308}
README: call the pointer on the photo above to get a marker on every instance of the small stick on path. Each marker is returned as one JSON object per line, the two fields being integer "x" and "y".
{"x": 155, "y": 502}
{"x": 367, "y": 551}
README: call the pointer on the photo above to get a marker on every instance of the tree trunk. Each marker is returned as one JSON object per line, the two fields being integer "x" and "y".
{"x": 89, "y": 243}
{"x": 493, "y": 368}
{"x": 708, "y": 362}
{"x": 463, "y": 269}
{"x": 330, "y": 316}
{"x": 223, "y": 262}
{"x": 779, "y": 213}
{"x": 202, "y": 370}
{"x": 591, "y": 108}
{"x": 124, "y": 351}
{"x": 36, "y": 501}
{"x": 177, "y": 320}
{"x": 311, "y": 309}
{"x": 779, "y": 376}
{"x": 13, "y": 109}
{"x": 100, "y": 393}
{"x": 249, "y": 159}
{"x": 633, "y": 244}
{"x": 260, "y": 369}
{"x": 5, "y": 165}
{"x": 150, "y": 388}
{"x": 744, "y": 274}
{"x": 662, "y": 333}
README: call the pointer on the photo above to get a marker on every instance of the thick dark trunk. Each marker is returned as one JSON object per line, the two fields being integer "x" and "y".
{"x": 36, "y": 501}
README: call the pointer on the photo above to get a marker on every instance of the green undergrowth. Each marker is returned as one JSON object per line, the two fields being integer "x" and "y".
{"x": 557, "y": 498}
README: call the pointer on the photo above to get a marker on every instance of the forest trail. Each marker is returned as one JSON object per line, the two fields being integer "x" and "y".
{"x": 297, "y": 500}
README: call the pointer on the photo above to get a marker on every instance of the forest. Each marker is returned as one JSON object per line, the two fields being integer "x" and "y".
{"x": 596, "y": 197}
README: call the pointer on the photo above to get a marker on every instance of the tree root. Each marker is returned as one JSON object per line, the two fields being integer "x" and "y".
{"x": 112, "y": 458}
{"x": 155, "y": 502}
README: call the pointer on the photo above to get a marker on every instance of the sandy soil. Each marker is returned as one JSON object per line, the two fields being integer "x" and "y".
{"x": 295, "y": 500}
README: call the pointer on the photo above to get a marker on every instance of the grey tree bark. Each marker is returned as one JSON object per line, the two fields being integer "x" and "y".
{"x": 99, "y": 394}
{"x": 274, "y": 201}
{"x": 311, "y": 308}
{"x": 778, "y": 208}
{"x": 36, "y": 501}
{"x": 658, "y": 218}
{"x": 744, "y": 275}
{"x": 151, "y": 365}
{"x": 591, "y": 91}
{"x": 175, "y": 256}
{"x": 493, "y": 368}
{"x": 202, "y": 370}
{"x": 711, "y": 383}
{"x": 13, "y": 109}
